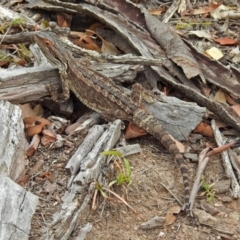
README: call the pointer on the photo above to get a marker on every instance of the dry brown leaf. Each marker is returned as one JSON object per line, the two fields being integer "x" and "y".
{"x": 27, "y": 110}
{"x": 236, "y": 108}
{"x": 230, "y": 99}
{"x": 134, "y": 131}
{"x": 220, "y": 96}
{"x": 88, "y": 44}
{"x": 32, "y": 120}
{"x": 77, "y": 34}
{"x": 33, "y": 145}
{"x": 34, "y": 130}
{"x": 64, "y": 20}
{"x": 212, "y": 6}
{"x": 47, "y": 176}
{"x": 158, "y": 11}
{"x": 85, "y": 41}
{"x": 23, "y": 180}
{"x": 180, "y": 146}
{"x": 204, "y": 129}
{"x": 48, "y": 138}
{"x": 227, "y": 41}
{"x": 34, "y": 125}
{"x": 170, "y": 218}
{"x": 19, "y": 61}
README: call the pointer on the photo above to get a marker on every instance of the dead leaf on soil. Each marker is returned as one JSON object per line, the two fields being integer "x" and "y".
{"x": 27, "y": 110}
{"x": 180, "y": 146}
{"x": 236, "y": 108}
{"x": 204, "y": 129}
{"x": 230, "y": 99}
{"x": 226, "y": 41}
{"x": 64, "y": 20}
{"x": 212, "y": 6}
{"x": 48, "y": 137}
{"x": 34, "y": 125}
{"x": 33, "y": 145}
{"x": 170, "y": 218}
{"x": 220, "y": 96}
{"x": 134, "y": 131}
{"x": 158, "y": 11}
{"x": 85, "y": 41}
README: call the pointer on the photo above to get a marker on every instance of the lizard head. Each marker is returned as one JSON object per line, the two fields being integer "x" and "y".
{"x": 51, "y": 49}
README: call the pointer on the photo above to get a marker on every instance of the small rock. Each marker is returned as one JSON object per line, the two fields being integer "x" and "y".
{"x": 154, "y": 222}
{"x": 222, "y": 186}
{"x": 161, "y": 234}
{"x": 209, "y": 208}
{"x": 204, "y": 217}
{"x": 192, "y": 156}
{"x": 226, "y": 199}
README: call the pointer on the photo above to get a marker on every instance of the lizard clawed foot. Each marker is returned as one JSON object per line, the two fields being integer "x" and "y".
{"x": 193, "y": 220}
{"x": 56, "y": 97}
{"x": 139, "y": 93}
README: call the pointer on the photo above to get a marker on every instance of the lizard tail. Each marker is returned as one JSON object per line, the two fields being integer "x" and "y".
{"x": 153, "y": 126}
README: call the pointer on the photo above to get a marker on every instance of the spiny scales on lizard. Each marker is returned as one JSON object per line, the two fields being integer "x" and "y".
{"x": 104, "y": 96}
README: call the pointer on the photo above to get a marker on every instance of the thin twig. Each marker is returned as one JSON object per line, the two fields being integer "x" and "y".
{"x": 171, "y": 193}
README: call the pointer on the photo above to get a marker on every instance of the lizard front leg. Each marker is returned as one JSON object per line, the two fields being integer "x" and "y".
{"x": 62, "y": 97}
{"x": 139, "y": 93}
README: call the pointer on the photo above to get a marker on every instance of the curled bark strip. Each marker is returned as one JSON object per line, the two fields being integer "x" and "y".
{"x": 226, "y": 162}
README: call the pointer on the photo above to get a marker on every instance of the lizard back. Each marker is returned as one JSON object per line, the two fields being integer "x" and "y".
{"x": 101, "y": 94}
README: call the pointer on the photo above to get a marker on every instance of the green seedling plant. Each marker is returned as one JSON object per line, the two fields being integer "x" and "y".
{"x": 123, "y": 178}
{"x": 24, "y": 53}
{"x": 124, "y": 173}
{"x": 208, "y": 191}
{"x": 13, "y": 23}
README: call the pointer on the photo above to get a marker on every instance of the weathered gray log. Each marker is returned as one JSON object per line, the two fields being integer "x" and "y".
{"x": 13, "y": 142}
{"x": 178, "y": 117}
{"x": 16, "y": 204}
{"x": 28, "y": 84}
{"x": 31, "y": 84}
{"x": 17, "y": 207}
{"x": 89, "y": 166}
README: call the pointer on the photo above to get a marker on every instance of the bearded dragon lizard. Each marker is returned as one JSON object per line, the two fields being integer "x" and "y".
{"x": 101, "y": 94}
